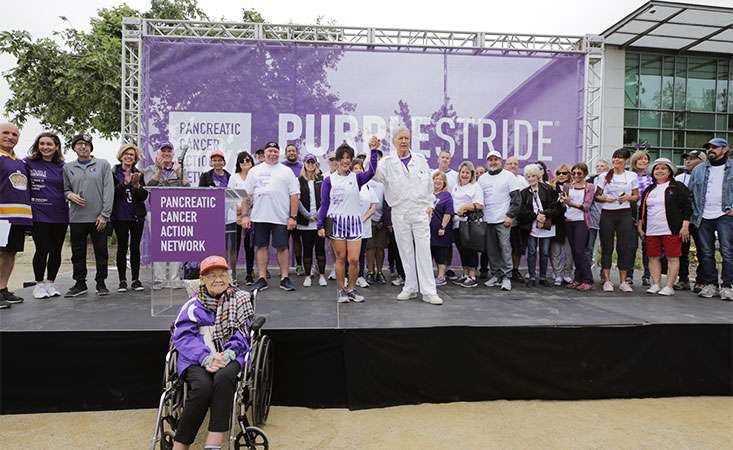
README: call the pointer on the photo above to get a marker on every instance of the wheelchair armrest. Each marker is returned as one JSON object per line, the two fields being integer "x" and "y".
{"x": 258, "y": 323}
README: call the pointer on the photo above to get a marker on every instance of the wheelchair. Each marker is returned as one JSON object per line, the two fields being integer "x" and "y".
{"x": 251, "y": 402}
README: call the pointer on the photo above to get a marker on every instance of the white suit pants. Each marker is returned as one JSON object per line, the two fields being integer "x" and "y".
{"x": 412, "y": 233}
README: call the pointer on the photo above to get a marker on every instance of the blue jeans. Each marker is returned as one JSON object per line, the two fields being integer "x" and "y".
{"x": 706, "y": 232}
{"x": 544, "y": 244}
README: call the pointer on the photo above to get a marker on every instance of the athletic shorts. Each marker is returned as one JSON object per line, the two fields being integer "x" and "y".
{"x": 671, "y": 244}
{"x": 263, "y": 231}
{"x": 16, "y": 238}
{"x": 380, "y": 236}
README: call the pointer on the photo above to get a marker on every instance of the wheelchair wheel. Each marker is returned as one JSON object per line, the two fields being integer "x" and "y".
{"x": 263, "y": 371}
{"x": 254, "y": 439}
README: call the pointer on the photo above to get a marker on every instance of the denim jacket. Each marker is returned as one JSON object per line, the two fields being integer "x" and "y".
{"x": 699, "y": 183}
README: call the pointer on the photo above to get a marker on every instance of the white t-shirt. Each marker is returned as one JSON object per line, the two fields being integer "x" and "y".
{"x": 656, "y": 212}
{"x": 496, "y": 189}
{"x": 367, "y": 196}
{"x": 313, "y": 210}
{"x": 714, "y": 194}
{"x": 235, "y": 182}
{"x": 684, "y": 178}
{"x": 620, "y": 184}
{"x": 537, "y": 231}
{"x": 452, "y": 177}
{"x": 463, "y": 195}
{"x": 522, "y": 181}
{"x": 271, "y": 186}
{"x": 378, "y": 189}
{"x": 576, "y": 198}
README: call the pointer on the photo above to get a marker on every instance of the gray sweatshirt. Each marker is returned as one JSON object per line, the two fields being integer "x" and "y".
{"x": 93, "y": 182}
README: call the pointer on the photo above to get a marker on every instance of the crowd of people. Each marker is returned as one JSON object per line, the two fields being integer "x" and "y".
{"x": 363, "y": 209}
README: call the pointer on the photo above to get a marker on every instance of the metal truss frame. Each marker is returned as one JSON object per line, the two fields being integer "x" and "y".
{"x": 134, "y": 29}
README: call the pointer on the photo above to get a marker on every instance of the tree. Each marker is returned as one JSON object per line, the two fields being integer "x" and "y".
{"x": 72, "y": 83}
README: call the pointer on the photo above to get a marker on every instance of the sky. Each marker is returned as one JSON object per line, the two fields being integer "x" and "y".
{"x": 562, "y": 17}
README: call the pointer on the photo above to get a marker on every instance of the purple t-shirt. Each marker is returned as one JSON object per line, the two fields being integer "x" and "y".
{"x": 47, "y": 191}
{"x": 219, "y": 180}
{"x": 296, "y": 167}
{"x": 443, "y": 205}
{"x": 406, "y": 160}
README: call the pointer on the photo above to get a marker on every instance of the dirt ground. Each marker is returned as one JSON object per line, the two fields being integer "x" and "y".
{"x": 671, "y": 423}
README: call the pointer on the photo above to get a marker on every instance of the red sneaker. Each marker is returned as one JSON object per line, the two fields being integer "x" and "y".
{"x": 584, "y": 287}
{"x": 573, "y": 285}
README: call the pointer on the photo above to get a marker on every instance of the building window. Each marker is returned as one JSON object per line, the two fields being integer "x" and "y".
{"x": 676, "y": 103}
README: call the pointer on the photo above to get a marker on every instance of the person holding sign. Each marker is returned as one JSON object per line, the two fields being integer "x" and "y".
{"x": 340, "y": 217}
{"x": 615, "y": 190}
{"x": 270, "y": 208}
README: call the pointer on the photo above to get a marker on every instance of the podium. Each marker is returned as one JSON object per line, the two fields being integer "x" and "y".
{"x": 187, "y": 224}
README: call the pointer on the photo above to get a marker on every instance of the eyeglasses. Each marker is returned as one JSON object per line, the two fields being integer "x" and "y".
{"x": 310, "y": 161}
{"x": 561, "y": 173}
{"x": 578, "y": 173}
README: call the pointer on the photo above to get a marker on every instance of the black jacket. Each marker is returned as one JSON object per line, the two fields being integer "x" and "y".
{"x": 677, "y": 205}
{"x": 207, "y": 178}
{"x": 305, "y": 198}
{"x": 552, "y": 208}
{"x": 139, "y": 194}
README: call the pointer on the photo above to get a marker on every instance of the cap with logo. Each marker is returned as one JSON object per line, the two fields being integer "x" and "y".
{"x": 699, "y": 154}
{"x": 272, "y": 144}
{"x": 212, "y": 262}
{"x": 494, "y": 153}
{"x": 218, "y": 153}
{"x": 715, "y": 142}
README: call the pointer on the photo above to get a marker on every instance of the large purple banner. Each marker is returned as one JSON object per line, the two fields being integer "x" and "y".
{"x": 186, "y": 224}
{"x": 234, "y": 96}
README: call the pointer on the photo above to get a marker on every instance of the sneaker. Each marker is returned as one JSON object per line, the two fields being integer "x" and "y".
{"x": 157, "y": 285}
{"x": 362, "y": 283}
{"x": 506, "y": 284}
{"x": 379, "y": 278}
{"x": 460, "y": 280}
{"x": 654, "y": 289}
{"x": 607, "y": 286}
{"x": 342, "y": 296}
{"x": 629, "y": 281}
{"x": 249, "y": 280}
{"x": 450, "y": 274}
{"x": 517, "y": 275}
{"x": 666, "y": 290}
{"x": 494, "y": 281}
{"x": 332, "y": 275}
{"x": 433, "y": 299}
{"x": 286, "y": 284}
{"x": 4, "y": 304}
{"x": 531, "y": 282}
{"x": 572, "y": 285}
{"x": 697, "y": 288}
{"x": 307, "y": 282}
{"x": 567, "y": 280}
{"x": 726, "y": 293}
{"x": 10, "y": 297}
{"x": 76, "y": 290}
{"x": 260, "y": 284}
{"x": 469, "y": 283}
{"x": 558, "y": 281}
{"x": 52, "y": 290}
{"x": 137, "y": 285}
{"x": 299, "y": 271}
{"x": 322, "y": 280}
{"x": 354, "y": 296}
{"x": 102, "y": 289}
{"x": 440, "y": 281}
{"x": 40, "y": 291}
{"x": 122, "y": 286}
{"x": 584, "y": 287}
{"x": 370, "y": 278}
{"x": 406, "y": 295}
{"x": 398, "y": 281}
{"x": 645, "y": 281}
{"x": 709, "y": 291}
{"x": 625, "y": 287}
{"x": 682, "y": 286}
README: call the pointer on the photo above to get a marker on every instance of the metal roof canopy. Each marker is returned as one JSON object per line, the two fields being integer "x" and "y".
{"x": 675, "y": 26}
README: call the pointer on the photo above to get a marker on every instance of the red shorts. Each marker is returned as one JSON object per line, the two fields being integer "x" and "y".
{"x": 671, "y": 243}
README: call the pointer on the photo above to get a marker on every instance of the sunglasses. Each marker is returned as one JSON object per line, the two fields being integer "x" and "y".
{"x": 561, "y": 173}
{"x": 578, "y": 173}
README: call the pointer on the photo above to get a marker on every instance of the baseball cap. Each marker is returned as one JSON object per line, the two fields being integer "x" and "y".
{"x": 694, "y": 154}
{"x": 260, "y": 151}
{"x": 165, "y": 145}
{"x": 715, "y": 142}
{"x": 667, "y": 162}
{"x": 82, "y": 137}
{"x": 271, "y": 144}
{"x": 211, "y": 262}
{"x": 218, "y": 153}
{"x": 494, "y": 153}
{"x": 310, "y": 157}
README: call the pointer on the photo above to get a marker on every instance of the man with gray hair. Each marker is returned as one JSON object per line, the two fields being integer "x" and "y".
{"x": 408, "y": 189}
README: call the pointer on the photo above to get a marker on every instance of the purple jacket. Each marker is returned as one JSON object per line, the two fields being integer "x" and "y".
{"x": 189, "y": 330}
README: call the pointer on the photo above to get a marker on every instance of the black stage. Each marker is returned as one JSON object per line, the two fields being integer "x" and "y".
{"x": 93, "y": 353}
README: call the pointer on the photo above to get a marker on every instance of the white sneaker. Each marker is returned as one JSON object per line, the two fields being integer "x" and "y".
{"x": 506, "y": 284}
{"x": 624, "y": 287}
{"x": 726, "y": 293}
{"x": 558, "y": 281}
{"x": 322, "y": 281}
{"x": 432, "y": 299}
{"x": 666, "y": 290}
{"x": 362, "y": 283}
{"x": 307, "y": 281}
{"x": 406, "y": 295}
{"x": 492, "y": 282}
{"x": 51, "y": 289}
{"x": 39, "y": 291}
{"x": 398, "y": 281}
{"x": 567, "y": 280}
{"x": 653, "y": 289}
{"x": 608, "y": 286}
{"x": 332, "y": 275}
{"x": 709, "y": 291}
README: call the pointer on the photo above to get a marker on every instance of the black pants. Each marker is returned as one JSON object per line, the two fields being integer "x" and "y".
{"x": 685, "y": 258}
{"x": 215, "y": 390}
{"x": 249, "y": 249}
{"x": 469, "y": 257}
{"x": 49, "y": 240}
{"x": 618, "y": 224}
{"x": 311, "y": 241}
{"x": 395, "y": 253}
{"x": 79, "y": 233}
{"x": 297, "y": 246}
{"x": 440, "y": 254}
{"x": 129, "y": 233}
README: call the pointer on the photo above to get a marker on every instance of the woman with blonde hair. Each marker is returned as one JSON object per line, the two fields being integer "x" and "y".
{"x": 440, "y": 235}
{"x": 468, "y": 201}
{"x": 128, "y": 214}
{"x": 639, "y": 163}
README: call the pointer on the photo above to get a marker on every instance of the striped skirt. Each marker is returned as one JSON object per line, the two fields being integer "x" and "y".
{"x": 348, "y": 228}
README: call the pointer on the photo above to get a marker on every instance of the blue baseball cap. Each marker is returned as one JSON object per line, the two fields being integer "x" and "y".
{"x": 715, "y": 142}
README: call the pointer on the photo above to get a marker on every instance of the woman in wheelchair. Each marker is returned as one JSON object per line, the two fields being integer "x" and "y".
{"x": 209, "y": 335}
